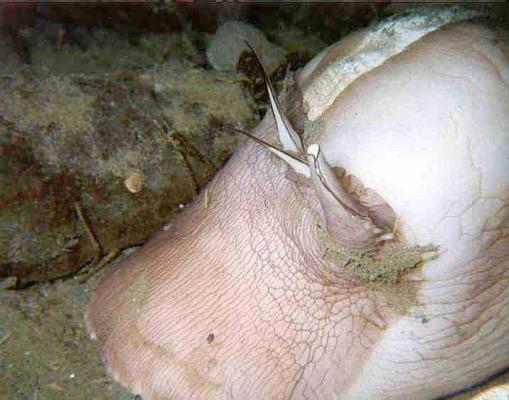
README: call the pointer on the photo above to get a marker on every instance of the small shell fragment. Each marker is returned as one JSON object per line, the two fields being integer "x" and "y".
{"x": 135, "y": 182}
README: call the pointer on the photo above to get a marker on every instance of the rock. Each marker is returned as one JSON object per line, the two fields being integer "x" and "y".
{"x": 110, "y": 154}
{"x": 228, "y": 44}
{"x": 296, "y": 41}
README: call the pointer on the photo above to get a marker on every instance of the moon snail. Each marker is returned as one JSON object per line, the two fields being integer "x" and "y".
{"x": 356, "y": 248}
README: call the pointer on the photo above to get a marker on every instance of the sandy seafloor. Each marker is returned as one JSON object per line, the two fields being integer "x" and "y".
{"x": 44, "y": 350}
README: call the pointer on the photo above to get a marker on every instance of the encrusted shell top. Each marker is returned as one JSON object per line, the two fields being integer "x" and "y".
{"x": 336, "y": 67}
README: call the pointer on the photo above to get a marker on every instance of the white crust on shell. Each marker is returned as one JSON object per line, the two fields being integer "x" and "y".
{"x": 379, "y": 43}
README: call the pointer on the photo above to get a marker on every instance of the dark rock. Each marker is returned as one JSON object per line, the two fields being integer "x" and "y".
{"x": 96, "y": 161}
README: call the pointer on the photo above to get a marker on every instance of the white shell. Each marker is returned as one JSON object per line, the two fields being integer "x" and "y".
{"x": 500, "y": 392}
{"x": 367, "y": 50}
{"x": 422, "y": 118}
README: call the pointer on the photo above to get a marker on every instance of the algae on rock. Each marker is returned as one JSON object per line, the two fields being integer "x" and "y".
{"x": 75, "y": 138}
